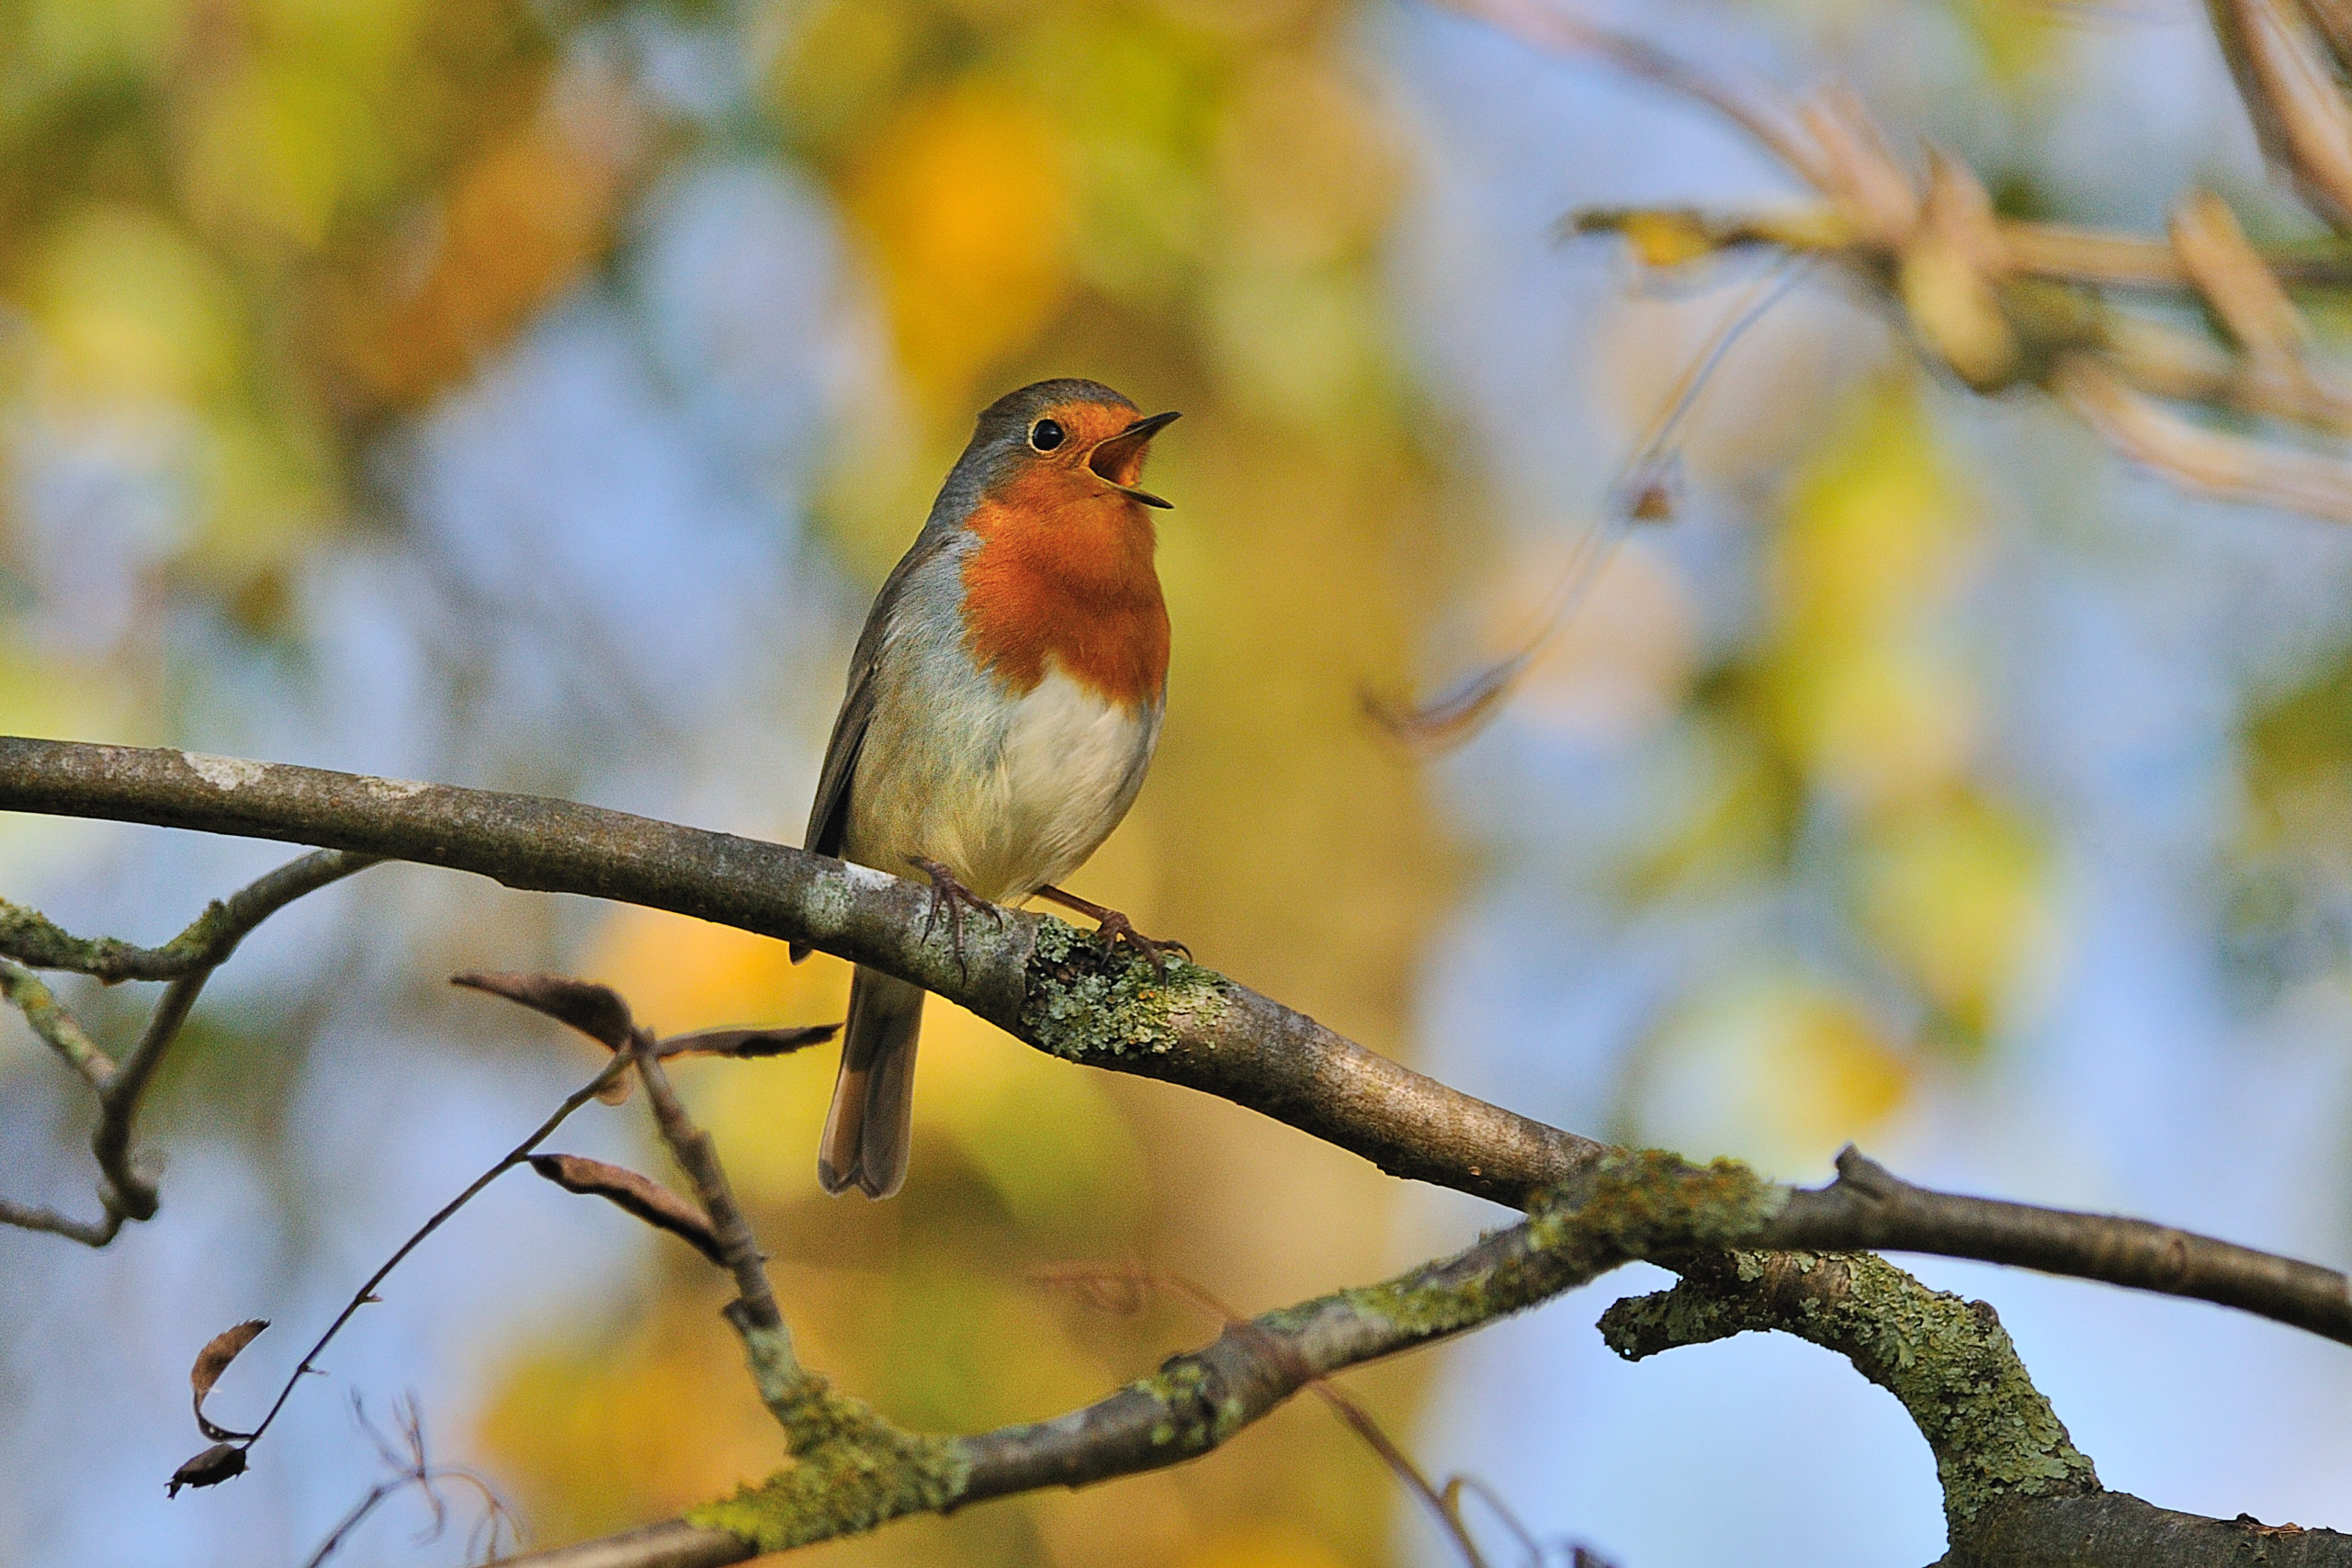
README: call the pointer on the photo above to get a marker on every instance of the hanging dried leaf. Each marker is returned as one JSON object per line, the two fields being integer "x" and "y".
{"x": 1652, "y": 492}
{"x": 211, "y": 1362}
{"x": 745, "y": 1044}
{"x": 1448, "y": 720}
{"x": 210, "y": 1468}
{"x": 641, "y": 1195}
{"x": 596, "y": 1011}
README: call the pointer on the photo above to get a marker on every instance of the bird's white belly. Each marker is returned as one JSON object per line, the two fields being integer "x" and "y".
{"x": 1024, "y": 790}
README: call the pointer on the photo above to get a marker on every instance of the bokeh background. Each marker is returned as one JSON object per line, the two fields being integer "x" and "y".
{"x": 531, "y": 396}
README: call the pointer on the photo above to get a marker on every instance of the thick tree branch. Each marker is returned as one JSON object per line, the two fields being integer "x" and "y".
{"x": 2016, "y": 1489}
{"x": 1034, "y": 976}
{"x": 1046, "y": 984}
{"x": 1870, "y": 1209}
{"x": 2011, "y": 1477}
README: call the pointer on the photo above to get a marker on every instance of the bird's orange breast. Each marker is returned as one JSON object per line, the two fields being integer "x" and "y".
{"x": 1064, "y": 579}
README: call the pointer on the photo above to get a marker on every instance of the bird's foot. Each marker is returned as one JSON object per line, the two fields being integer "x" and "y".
{"x": 949, "y": 894}
{"x": 1114, "y": 929}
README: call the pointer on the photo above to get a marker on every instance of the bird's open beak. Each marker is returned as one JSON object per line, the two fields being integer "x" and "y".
{"x": 1117, "y": 460}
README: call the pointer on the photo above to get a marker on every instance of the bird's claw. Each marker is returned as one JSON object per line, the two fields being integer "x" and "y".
{"x": 1115, "y": 931}
{"x": 948, "y": 893}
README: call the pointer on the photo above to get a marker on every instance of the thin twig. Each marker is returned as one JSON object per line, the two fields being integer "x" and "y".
{"x": 699, "y": 1158}
{"x": 412, "y": 1469}
{"x": 187, "y": 961}
{"x": 515, "y": 1157}
{"x": 24, "y": 990}
{"x": 37, "y": 1217}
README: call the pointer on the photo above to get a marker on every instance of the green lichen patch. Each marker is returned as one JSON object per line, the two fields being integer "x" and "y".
{"x": 1947, "y": 1360}
{"x": 1428, "y": 1304}
{"x": 1632, "y": 1203}
{"x": 1199, "y": 1415}
{"x": 1085, "y": 1000}
{"x": 1952, "y": 1365}
{"x": 32, "y": 938}
{"x": 1645, "y": 1201}
{"x": 850, "y": 1471}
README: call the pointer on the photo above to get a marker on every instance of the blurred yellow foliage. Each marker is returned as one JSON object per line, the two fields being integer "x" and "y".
{"x": 965, "y": 198}
{"x": 1955, "y": 889}
{"x": 1776, "y": 1068}
{"x": 610, "y": 1407}
{"x": 1274, "y": 1548}
{"x": 1874, "y": 699}
{"x": 272, "y": 152}
{"x": 68, "y": 39}
{"x": 521, "y": 221}
{"x": 130, "y": 311}
{"x": 1875, "y": 550}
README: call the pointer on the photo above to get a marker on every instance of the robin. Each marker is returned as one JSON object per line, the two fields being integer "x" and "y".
{"x": 1002, "y": 705}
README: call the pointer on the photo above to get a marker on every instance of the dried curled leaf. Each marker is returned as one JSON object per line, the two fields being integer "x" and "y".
{"x": 641, "y": 1195}
{"x": 211, "y": 1362}
{"x": 596, "y": 1011}
{"x": 1122, "y": 1290}
{"x": 747, "y": 1044}
{"x": 1449, "y": 720}
{"x": 210, "y": 1468}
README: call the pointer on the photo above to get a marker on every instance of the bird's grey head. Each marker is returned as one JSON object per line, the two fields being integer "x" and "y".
{"x": 1022, "y": 425}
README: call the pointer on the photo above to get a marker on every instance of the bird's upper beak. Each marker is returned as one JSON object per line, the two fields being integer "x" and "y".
{"x": 1117, "y": 460}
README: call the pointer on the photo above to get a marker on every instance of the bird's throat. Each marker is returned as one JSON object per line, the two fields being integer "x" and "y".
{"x": 1066, "y": 582}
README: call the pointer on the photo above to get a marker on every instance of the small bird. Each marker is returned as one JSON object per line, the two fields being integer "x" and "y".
{"x": 1004, "y": 703}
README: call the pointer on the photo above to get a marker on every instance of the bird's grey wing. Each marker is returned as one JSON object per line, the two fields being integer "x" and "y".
{"x": 829, "y": 815}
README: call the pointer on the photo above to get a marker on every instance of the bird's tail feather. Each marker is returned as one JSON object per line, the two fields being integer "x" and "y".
{"x": 867, "y": 1130}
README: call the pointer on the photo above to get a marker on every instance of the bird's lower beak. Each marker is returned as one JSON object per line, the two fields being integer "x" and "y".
{"x": 1117, "y": 460}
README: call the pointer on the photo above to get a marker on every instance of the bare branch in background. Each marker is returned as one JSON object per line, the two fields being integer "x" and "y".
{"x": 2000, "y": 303}
{"x": 2293, "y": 96}
{"x": 2211, "y": 462}
{"x": 228, "y": 1457}
{"x": 28, "y": 940}
{"x": 412, "y": 1468}
{"x": 1646, "y": 494}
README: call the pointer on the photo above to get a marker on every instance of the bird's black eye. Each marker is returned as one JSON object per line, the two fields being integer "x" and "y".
{"x": 1044, "y": 436}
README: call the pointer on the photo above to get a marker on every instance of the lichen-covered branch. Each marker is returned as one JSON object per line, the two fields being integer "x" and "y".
{"x": 2016, "y": 1489}
{"x": 1625, "y": 1206}
{"x": 2004, "y": 1458}
{"x": 1947, "y": 1360}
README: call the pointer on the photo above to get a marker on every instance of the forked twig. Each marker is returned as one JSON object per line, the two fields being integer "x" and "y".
{"x": 29, "y": 941}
